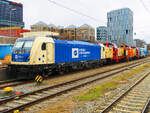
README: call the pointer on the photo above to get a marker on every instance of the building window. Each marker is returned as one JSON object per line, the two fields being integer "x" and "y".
{"x": 126, "y": 31}
{"x": 110, "y": 19}
{"x": 73, "y": 38}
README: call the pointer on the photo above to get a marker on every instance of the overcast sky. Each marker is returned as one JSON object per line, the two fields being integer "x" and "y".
{"x": 43, "y": 10}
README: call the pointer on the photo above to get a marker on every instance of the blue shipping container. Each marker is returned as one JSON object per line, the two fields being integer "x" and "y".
{"x": 5, "y": 50}
{"x": 73, "y": 51}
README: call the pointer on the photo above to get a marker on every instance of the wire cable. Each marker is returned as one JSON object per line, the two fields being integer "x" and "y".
{"x": 75, "y": 11}
{"x": 142, "y": 2}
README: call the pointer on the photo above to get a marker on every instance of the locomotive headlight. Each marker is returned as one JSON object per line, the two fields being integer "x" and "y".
{"x": 16, "y": 56}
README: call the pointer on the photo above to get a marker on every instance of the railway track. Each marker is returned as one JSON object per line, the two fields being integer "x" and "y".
{"x": 7, "y": 81}
{"x": 146, "y": 107}
{"x": 16, "y": 82}
{"x": 19, "y": 102}
{"x": 132, "y": 100}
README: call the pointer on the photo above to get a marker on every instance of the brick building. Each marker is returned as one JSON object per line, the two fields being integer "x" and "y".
{"x": 82, "y": 33}
{"x": 41, "y": 26}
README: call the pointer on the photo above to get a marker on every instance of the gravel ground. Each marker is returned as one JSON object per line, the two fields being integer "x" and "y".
{"x": 32, "y": 86}
{"x": 135, "y": 100}
{"x": 67, "y": 104}
{"x": 73, "y": 104}
{"x": 92, "y": 106}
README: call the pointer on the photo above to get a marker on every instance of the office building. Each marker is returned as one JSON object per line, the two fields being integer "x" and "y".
{"x": 120, "y": 26}
{"x": 102, "y": 34}
{"x": 41, "y": 26}
{"x": 83, "y": 33}
{"x": 11, "y": 14}
{"x": 139, "y": 43}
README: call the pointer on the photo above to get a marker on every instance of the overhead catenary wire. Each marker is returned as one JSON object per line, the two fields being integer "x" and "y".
{"x": 142, "y": 2}
{"x": 75, "y": 11}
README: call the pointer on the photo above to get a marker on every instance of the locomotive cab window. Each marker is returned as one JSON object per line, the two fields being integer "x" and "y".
{"x": 43, "y": 46}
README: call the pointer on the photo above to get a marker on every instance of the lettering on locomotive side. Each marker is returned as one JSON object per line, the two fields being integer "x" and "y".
{"x": 76, "y": 53}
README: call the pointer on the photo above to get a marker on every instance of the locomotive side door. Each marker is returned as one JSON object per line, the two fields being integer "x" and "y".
{"x": 103, "y": 52}
{"x": 49, "y": 53}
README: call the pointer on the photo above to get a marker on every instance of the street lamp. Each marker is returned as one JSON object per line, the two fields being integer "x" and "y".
{"x": 11, "y": 9}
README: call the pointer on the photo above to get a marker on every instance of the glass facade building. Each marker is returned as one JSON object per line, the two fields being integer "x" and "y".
{"x": 120, "y": 26}
{"x": 11, "y": 14}
{"x": 102, "y": 34}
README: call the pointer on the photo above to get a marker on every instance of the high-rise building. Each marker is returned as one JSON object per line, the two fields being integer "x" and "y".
{"x": 120, "y": 26}
{"x": 11, "y": 14}
{"x": 102, "y": 34}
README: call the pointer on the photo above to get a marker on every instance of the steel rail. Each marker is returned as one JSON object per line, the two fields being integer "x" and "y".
{"x": 146, "y": 106}
{"x": 21, "y": 83}
{"x": 81, "y": 78}
{"x": 57, "y": 93}
{"x": 7, "y": 81}
{"x": 108, "y": 108}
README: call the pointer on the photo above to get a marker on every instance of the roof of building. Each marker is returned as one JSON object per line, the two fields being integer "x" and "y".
{"x": 85, "y": 25}
{"x": 61, "y": 27}
{"x": 101, "y": 27}
{"x": 117, "y": 10}
{"x": 71, "y": 26}
{"x": 14, "y": 3}
{"x": 40, "y": 23}
{"x": 52, "y": 25}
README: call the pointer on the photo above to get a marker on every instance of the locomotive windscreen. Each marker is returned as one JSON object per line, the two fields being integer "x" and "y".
{"x": 23, "y": 45}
